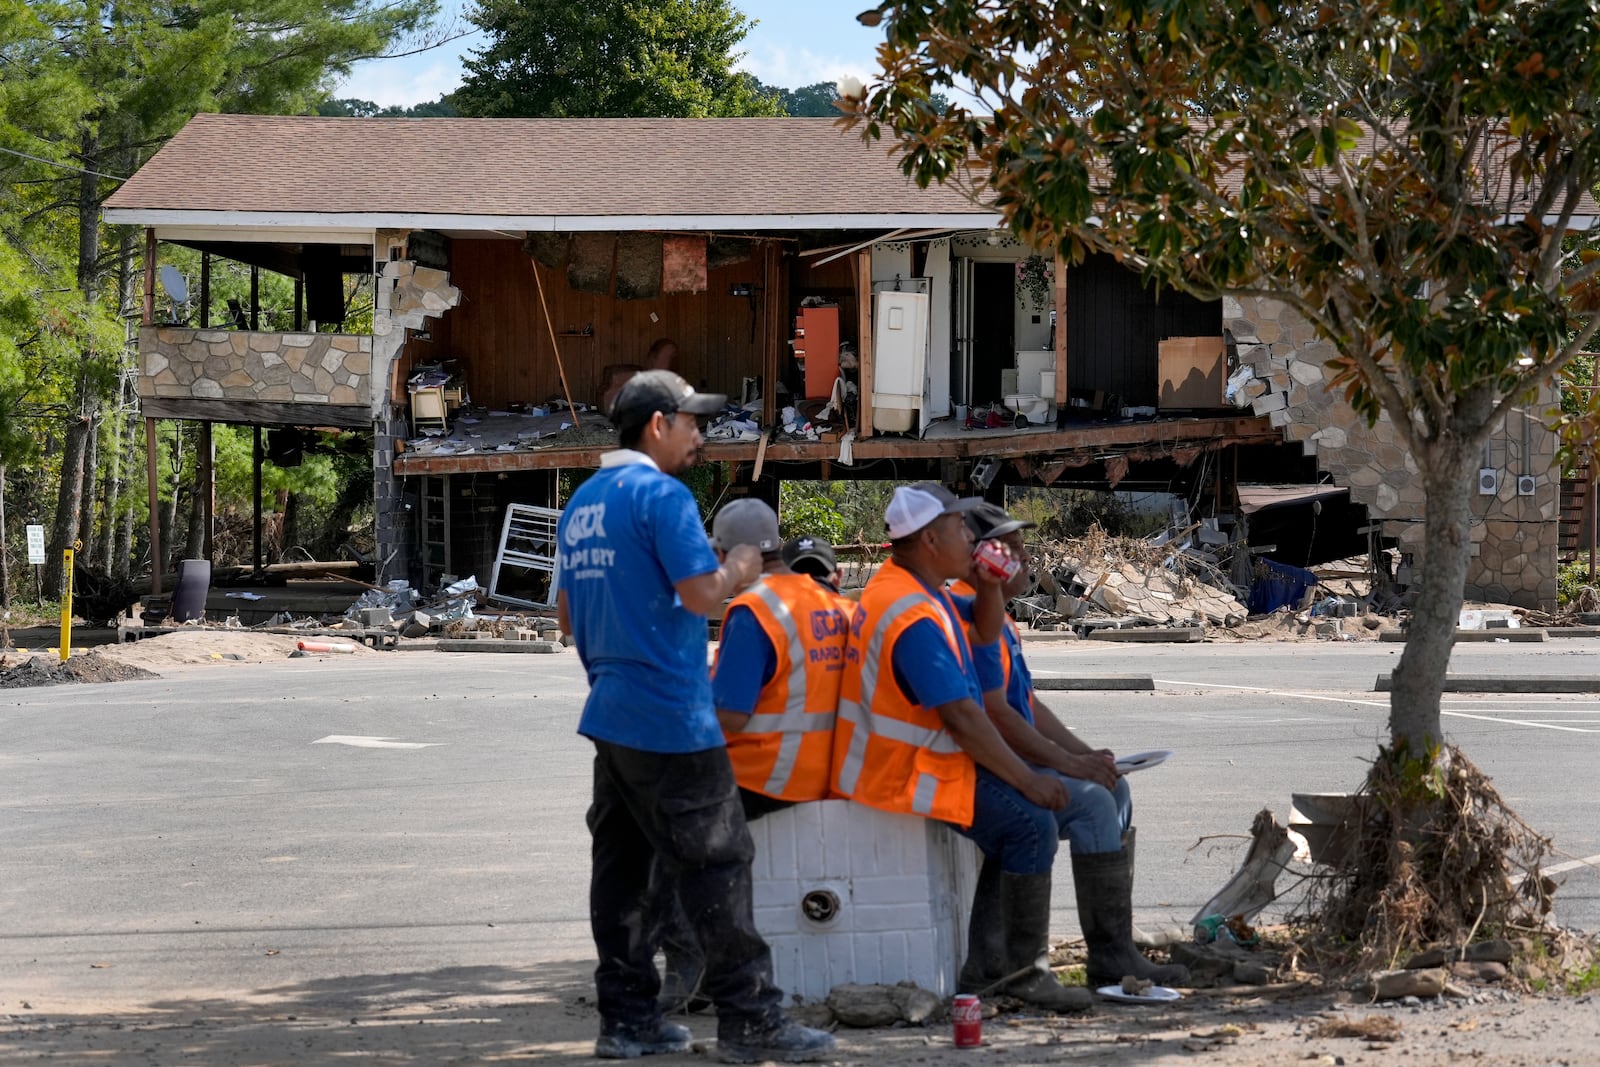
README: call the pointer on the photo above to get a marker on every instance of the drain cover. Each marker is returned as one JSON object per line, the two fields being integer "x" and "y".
{"x": 820, "y": 905}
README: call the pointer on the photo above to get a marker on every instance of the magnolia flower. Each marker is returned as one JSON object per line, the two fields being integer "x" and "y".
{"x": 849, "y": 87}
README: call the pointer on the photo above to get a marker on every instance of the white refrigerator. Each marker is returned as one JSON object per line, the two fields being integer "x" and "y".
{"x": 899, "y": 360}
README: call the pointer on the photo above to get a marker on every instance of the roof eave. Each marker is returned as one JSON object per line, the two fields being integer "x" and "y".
{"x": 389, "y": 220}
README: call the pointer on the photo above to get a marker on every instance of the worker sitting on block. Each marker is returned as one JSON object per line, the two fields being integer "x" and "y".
{"x": 913, "y": 735}
{"x": 780, "y": 658}
{"x": 1096, "y": 824}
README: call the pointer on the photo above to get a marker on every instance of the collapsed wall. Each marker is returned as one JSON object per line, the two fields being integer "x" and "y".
{"x": 1515, "y": 527}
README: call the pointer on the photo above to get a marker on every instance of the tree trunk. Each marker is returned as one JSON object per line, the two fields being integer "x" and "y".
{"x": 194, "y": 546}
{"x": 5, "y": 563}
{"x": 91, "y": 472}
{"x": 279, "y": 530}
{"x": 122, "y": 557}
{"x": 1447, "y": 473}
{"x": 120, "y": 441}
{"x": 69, "y": 498}
{"x": 291, "y": 525}
{"x": 111, "y": 491}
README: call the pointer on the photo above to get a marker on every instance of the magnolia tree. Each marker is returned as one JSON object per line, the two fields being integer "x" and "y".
{"x": 1414, "y": 177}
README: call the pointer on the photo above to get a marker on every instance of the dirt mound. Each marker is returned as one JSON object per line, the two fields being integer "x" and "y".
{"x": 48, "y": 670}
{"x": 207, "y": 645}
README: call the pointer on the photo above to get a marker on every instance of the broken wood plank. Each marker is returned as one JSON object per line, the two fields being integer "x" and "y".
{"x": 1255, "y": 884}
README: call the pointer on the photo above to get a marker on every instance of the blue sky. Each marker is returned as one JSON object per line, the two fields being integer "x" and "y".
{"x": 795, "y": 43}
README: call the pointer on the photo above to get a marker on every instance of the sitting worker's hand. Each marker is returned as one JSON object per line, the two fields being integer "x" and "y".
{"x": 1090, "y": 767}
{"x": 1046, "y": 790}
{"x": 744, "y": 565}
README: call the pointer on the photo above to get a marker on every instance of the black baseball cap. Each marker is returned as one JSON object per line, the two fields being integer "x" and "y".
{"x": 810, "y": 555}
{"x": 651, "y": 391}
{"x": 988, "y": 521}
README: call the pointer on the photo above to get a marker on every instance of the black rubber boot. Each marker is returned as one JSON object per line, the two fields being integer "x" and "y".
{"x": 1103, "y": 882}
{"x": 618, "y": 1042}
{"x": 1027, "y": 916}
{"x": 787, "y": 1042}
{"x": 986, "y": 934}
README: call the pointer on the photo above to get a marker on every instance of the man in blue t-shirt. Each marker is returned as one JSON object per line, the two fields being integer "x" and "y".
{"x": 636, "y": 579}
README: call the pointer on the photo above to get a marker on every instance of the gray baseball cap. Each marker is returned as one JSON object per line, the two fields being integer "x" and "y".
{"x": 746, "y": 522}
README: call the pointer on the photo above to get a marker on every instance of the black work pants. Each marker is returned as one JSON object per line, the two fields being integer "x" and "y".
{"x": 681, "y": 809}
{"x": 675, "y": 936}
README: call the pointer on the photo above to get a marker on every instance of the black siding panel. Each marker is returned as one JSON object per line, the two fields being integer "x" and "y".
{"x": 1115, "y": 323}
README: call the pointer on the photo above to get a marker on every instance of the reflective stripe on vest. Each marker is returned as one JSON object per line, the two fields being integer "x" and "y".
{"x": 866, "y": 724}
{"x": 794, "y": 722}
{"x": 784, "y": 749}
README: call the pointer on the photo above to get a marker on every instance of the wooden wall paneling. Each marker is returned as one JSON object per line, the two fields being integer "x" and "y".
{"x": 863, "y": 260}
{"x": 499, "y": 332}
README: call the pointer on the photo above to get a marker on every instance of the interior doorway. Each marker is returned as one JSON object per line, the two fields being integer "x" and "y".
{"x": 994, "y": 320}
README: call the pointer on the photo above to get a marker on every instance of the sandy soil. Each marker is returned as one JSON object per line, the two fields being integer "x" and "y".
{"x": 546, "y": 1015}
{"x": 23, "y": 667}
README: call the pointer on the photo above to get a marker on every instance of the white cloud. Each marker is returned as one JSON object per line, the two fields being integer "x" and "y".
{"x": 791, "y": 67}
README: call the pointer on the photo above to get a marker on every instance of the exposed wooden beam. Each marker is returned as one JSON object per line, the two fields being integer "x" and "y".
{"x": 258, "y": 413}
{"x": 1076, "y": 446}
{"x": 864, "y": 343}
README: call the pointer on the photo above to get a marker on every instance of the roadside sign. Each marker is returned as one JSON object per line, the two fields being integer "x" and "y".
{"x": 36, "y": 545}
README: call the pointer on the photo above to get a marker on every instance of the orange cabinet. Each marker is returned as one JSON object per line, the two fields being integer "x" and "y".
{"x": 816, "y": 347}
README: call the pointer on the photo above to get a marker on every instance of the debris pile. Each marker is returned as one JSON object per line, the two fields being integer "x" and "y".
{"x": 1161, "y": 581}
{"x": 50, "y": 670}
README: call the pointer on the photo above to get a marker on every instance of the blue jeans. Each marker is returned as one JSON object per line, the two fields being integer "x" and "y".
{"x": 1095, "y": 819}
{"x": 1022, "y": 837}
{"x": 1009, "y": 829}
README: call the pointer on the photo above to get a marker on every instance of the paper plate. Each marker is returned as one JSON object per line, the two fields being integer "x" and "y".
{"x": 1140, "y": 760}
{"x": 1156, "y": 994}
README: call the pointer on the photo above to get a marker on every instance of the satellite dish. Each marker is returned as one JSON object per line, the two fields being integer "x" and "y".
{"x": 172, "y": 281}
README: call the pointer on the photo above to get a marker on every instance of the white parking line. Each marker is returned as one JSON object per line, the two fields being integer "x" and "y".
{"x": 1519, "y": 722}
{"x": 1572, "y": 865}
{"x": 1492, "y": 716}
{"x": 1277, "y": 692}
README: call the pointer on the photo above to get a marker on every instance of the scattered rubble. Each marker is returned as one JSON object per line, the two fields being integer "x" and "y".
{"x": 50, "y": 670}
{"x": 883, "y": 1005}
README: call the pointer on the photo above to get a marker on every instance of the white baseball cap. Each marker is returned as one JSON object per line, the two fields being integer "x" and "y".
{"x": 914, "y": 506}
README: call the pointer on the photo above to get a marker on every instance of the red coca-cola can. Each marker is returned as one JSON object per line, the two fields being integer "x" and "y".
{"x": 993, "y": 557}
{"x": 967, "y": 1016}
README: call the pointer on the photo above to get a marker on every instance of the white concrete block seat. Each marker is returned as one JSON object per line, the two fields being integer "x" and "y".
{"x": 847, "y": 893}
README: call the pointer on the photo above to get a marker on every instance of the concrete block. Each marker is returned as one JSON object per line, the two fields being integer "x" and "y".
{"x": 846, "y": 893}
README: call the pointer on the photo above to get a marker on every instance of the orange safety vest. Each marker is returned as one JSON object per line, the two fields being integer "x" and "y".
{"x": 786, "y": 746}
{"x": 888, "y": 752}
{"x": 965, "y": 589}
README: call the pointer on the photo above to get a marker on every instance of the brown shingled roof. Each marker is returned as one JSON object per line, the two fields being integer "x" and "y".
{"x": 526, "y": 167}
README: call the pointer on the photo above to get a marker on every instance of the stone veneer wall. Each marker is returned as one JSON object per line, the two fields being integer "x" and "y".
{"x": 300, "y": 368}
{"x": 1515, "y": 539}
{"x": 407, "y": 297}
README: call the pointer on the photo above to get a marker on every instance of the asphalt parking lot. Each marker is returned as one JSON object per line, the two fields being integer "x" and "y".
{"x": 235, "y": 827}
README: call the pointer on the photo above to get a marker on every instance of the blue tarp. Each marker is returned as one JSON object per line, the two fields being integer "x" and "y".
{"x": 1282, "y": 586}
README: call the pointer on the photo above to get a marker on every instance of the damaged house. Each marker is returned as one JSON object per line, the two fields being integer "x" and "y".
{"x": 861, "y": 326}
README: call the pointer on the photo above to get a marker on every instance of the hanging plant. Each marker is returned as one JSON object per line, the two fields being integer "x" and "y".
{"x": 1036, "y": 277}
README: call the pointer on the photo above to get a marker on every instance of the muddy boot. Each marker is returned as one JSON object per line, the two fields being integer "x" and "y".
{"x": 1103, "y": 882}
{"x": 986, "y": 934}
{"x": 1027, "y": 916}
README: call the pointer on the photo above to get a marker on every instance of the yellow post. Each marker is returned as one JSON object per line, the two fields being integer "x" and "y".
{"x": 66, "y": 606}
